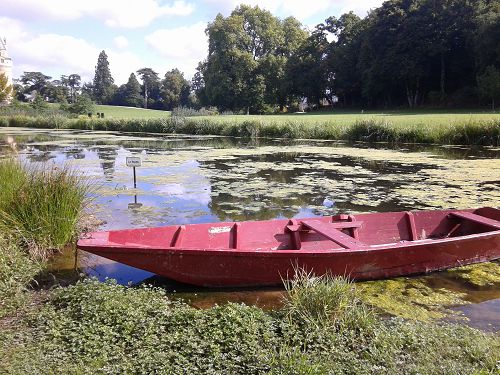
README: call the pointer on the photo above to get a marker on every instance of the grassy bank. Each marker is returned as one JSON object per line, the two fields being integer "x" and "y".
{"x": 405, "y": 128}
{"x": 324, "y": 328}
{"x": 39, "y": 212}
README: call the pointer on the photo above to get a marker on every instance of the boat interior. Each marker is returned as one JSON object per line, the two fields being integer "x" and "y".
{"x": 317, "y": 233}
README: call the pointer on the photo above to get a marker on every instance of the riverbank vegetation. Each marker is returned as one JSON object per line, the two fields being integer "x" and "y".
{"x": 39, "y": 212}
{"x": 404, "y": 127}
{"x": 324, "y": 328}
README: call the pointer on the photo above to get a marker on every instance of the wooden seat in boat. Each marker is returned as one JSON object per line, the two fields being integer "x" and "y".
{"x": 476, "y": 219}
{"x": 332, "y": 232}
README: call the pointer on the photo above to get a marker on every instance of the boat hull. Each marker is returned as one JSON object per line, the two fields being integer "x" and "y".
{"x": 261, "y": 267}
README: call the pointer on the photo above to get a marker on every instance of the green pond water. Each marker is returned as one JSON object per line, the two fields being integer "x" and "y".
{"x": 186, "y": 180}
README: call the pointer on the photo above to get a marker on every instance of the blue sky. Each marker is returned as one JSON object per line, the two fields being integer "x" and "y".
{"x": 65, "y": 36}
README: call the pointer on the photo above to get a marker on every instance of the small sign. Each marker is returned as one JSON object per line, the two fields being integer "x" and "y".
{"x": 134, "y": 206}
{"x": 133, "y": 161}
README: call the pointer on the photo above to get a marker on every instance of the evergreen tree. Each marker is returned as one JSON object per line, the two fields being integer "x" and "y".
{"x": 132, "y": 93}
{"x": 103, "y": 81}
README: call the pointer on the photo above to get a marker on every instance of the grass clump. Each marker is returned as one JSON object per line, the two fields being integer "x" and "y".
{"x": 325, "y": 302}
{"x": 40, "y": 207}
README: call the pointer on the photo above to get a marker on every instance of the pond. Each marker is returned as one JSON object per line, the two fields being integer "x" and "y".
{"x": 188, "y": 179}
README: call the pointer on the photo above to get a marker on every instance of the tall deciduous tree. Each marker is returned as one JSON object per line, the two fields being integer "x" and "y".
{"x": 35, "y": 81}
{"x": 245, "y": 67}
{"x": 489, "y": 84}
{"x": 150, "y": 86}
{"x": 103, "y": 81}
{"x": 174, "y": 90}
{"x": 74, "y": 81}
{"x": 306, "y": 69}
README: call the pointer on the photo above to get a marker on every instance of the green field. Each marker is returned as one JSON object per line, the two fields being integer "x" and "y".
{"x": 112, "y": 111}
{"x": 334, "y": 117}
{"x": 350, "y": 117}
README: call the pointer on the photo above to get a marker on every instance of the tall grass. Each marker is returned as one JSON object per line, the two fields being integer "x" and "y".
{"x": 325, "y": 302}
{"x": 40, "y": 206}
{"x": 468, "y": 131}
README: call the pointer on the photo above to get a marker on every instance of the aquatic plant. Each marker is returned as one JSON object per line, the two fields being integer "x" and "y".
{"x": 40, "y": 206}
{"x": 422, "y": 128}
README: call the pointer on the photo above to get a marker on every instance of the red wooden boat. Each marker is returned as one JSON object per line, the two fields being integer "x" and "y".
{"x": 255, "y": 253}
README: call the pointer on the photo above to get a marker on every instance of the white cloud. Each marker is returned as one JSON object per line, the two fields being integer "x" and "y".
{"x": 183, "y": 46}
{"x": 120, "y": 41}
{"x": 361, "y": 8}
{"x": 55, "y": 54}
{"x": 299, "y": 8}
{"x": 115, "y": 13}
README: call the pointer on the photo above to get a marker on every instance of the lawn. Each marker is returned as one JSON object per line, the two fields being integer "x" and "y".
{"x": 350, "y": 117}
{"x": 111, "y": 111}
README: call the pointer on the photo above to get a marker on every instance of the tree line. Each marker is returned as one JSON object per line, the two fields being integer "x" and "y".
{"x": 404, "y": 53}
{"x": 409, "y": 53}
{"x": 167, "y": 93}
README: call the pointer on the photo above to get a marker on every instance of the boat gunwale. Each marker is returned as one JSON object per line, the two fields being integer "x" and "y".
{"x": 141, "y": 248}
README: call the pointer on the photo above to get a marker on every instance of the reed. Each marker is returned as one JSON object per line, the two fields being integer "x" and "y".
{"x": 40, "y": 206}
{"x": 465, "y": 131}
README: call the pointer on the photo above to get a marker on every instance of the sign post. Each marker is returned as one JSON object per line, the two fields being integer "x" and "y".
{"x": 134, "y": 161}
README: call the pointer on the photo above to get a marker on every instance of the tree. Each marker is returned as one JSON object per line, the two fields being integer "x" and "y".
{"x": 103, "y": 83}
{"x": 35, "y": 81}
{"x": 56, "y": 92}
{"x": 39, "y": 103}
{"x": 343, "y": 78}
{"x": 175, "y": 89}
{"x": 82, "y": 105}
{"x": 150, "y": 86}
{"x": 6, "y": 90}
{"x": 73, "y": 82}
{"x": 245, "y": 67}
{"x": 132, "y": 93}
{"x": 489, "y": 84}
{"x": 306, "y": 69}
{"x": 486, "y": 41}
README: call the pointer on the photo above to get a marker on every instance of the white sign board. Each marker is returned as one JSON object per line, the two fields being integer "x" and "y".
{"x": 133, "y": 161}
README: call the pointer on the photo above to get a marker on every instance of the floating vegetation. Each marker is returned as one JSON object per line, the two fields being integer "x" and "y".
{"x": 479, "y": 275}
{"x": 410, "y": 298}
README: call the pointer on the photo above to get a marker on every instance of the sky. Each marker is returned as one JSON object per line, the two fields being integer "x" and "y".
{"x": 62, "y": 37}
